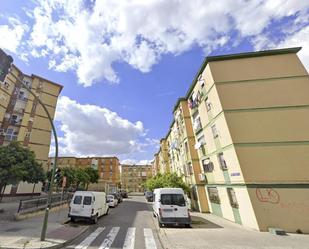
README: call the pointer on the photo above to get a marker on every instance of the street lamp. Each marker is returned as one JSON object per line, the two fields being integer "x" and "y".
{"x": 5, "y": 67}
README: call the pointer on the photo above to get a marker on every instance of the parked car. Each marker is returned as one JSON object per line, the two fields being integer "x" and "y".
{"x": 170, "y": 207}
{"x": 112, "y": 201}
{"x": 149, "y": 196}
{"x": 88, "y": 205}
{"x": 124, "y": 194}
{"x": 117, "y": 196}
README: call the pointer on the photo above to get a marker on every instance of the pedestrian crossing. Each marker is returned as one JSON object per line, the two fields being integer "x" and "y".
{"x": 105, "y": 238}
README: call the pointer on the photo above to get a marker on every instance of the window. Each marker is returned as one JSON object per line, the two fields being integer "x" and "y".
{"x": 111, "y": 168}
{"x": 173, "y": 199}
{"x": 190, "y": 168}
{"x": 87, "y": 200}
{"x": 186, "y": 149}
{"x": 222, "y": 161}
{"x": 11, "y": 134}
{"x": 214, "y": 131}
{"x": 232, "y": 197}
{"x": 201, "y": 81}
{"x": 213, "y": 195}
{"x": 208, "y": 105}
{"x": 201, "y": 142}
{"x": 207, "y": 165}
{"x": 78, "y": 199}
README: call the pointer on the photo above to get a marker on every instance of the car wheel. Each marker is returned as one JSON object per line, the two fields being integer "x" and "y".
{"x": 107, "y": 211}
{"x": 72, "y": 219}
{"x": 95, "y": 219}
{"x": 188, "y": 225}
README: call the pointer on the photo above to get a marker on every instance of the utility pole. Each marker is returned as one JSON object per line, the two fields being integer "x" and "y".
{"x": 5, "y": 67}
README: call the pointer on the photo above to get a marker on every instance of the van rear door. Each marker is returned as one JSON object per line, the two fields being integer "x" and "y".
{"x": 87, "y": 205}
{"x": 76, "y": 205}
{"x": 173, "y": 206}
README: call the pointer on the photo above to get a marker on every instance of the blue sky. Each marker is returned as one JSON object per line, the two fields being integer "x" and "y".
{"x": 123, "y": 64}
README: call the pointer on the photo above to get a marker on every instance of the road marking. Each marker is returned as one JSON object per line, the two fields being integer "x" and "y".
{"x": 109, "y": 238}
{"x": 149, "y": 239}
{"x": 129, "y": 240}
{"x": 86, "y": 242}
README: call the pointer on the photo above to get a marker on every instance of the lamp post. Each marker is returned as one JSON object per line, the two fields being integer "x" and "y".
{"x": 5, "y": 67}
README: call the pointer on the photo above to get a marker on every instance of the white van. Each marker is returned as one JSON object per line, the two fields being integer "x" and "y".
{"x": 88, "y": 204}
{"x": 170, "y": 207}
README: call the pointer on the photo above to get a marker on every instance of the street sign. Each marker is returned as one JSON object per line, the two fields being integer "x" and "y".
{"x": 5, "y": 64}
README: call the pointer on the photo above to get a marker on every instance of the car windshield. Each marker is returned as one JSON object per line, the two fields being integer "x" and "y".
{"x": 110, "y": 197}
{"x": 87, "y": 200}
{"x": 173, "y": 199}
{"x": 77, "y": 199}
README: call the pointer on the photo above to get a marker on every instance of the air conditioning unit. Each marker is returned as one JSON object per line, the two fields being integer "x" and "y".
{"x": 201, "y": 177}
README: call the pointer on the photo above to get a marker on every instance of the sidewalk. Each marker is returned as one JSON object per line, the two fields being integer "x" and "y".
{"x": 211, "y": 232}
{"x": 26, "y": 233}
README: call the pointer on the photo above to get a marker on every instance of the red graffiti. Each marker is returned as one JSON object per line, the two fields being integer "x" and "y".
{"x": 267, "y": 195}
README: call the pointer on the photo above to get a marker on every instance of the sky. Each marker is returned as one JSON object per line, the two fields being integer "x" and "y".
{"x": 124, "y": 64}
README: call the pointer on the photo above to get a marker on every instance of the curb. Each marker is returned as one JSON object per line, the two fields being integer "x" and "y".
{"x": 60, "y": 245}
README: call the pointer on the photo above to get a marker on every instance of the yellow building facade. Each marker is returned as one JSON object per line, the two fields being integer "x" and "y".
{"x": 249, "y": 114}
{"x": 183, "y": 158}
{"x": 23, "y": 119}
{"x": 134, "y": 177}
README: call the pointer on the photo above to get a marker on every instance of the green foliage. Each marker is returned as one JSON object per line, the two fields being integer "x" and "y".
{"x": 79, "y": 177}
{"x": 19, "y": 164}
{"x": 170, "y": 180}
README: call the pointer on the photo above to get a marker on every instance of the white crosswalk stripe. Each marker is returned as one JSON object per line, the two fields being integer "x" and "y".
{"x": 86, "y": 242}
{"x": 130, "y": 239}
{"x": 149, "y": 239}
{"x": 110, "y": 238}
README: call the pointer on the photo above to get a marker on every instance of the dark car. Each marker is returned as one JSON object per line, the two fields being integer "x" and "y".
{"x": 118, "y": 196}
{"x": 149, "y": 196}
{"x": 124, "y": 194}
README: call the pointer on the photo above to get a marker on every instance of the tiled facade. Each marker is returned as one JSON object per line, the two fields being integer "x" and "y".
{"x": 249, "y": 114}
{"x": 133, "y": 177}
{"x": 23, "y": 119}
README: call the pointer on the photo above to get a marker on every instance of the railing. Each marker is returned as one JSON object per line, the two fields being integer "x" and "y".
{"x": 41, "y": 202}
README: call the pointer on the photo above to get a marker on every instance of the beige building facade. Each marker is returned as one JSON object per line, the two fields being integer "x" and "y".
{"x": 23, "y": 119}
{"x": 249, "y": 114}
{"x": 134, "y": 177}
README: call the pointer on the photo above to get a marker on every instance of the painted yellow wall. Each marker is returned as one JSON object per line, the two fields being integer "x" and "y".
{"x": 260, "y": 93}
{"x": 269, "y": 125}
{"x": 283, "y": 208}
{"x": 284, "y": 163}
{"x": 257, "y": 68}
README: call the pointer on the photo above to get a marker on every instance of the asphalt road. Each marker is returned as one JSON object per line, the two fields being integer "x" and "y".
{"x": 129, "y": 225}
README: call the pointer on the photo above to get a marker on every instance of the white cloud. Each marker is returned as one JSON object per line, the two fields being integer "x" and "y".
{"x": 299, "y": 39}
{"x": 11, "y": 35}
{"x": 90, "y": 130}
{"x": 90, "y": 39}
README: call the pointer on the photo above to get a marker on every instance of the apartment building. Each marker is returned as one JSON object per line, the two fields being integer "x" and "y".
{"x": 23, "y": 119}
{"x": 108, "y": 169}
{"x": 155, "y": 165}
{"x": 133, "y": 177}
{"x": 250, "y": 119}
{"x": 163, "y": 158}
{"x": 183, "y": 157}
{"x": 251, "y": 111}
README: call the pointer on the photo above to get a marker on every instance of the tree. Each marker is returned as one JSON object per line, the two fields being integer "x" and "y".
{"x": 18, "y": 164}
{"x": 93, "y": 176}
{"x": 70, "y": 174}
{"x": 81, "y": 178}
{"x": 169, "y": 180}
